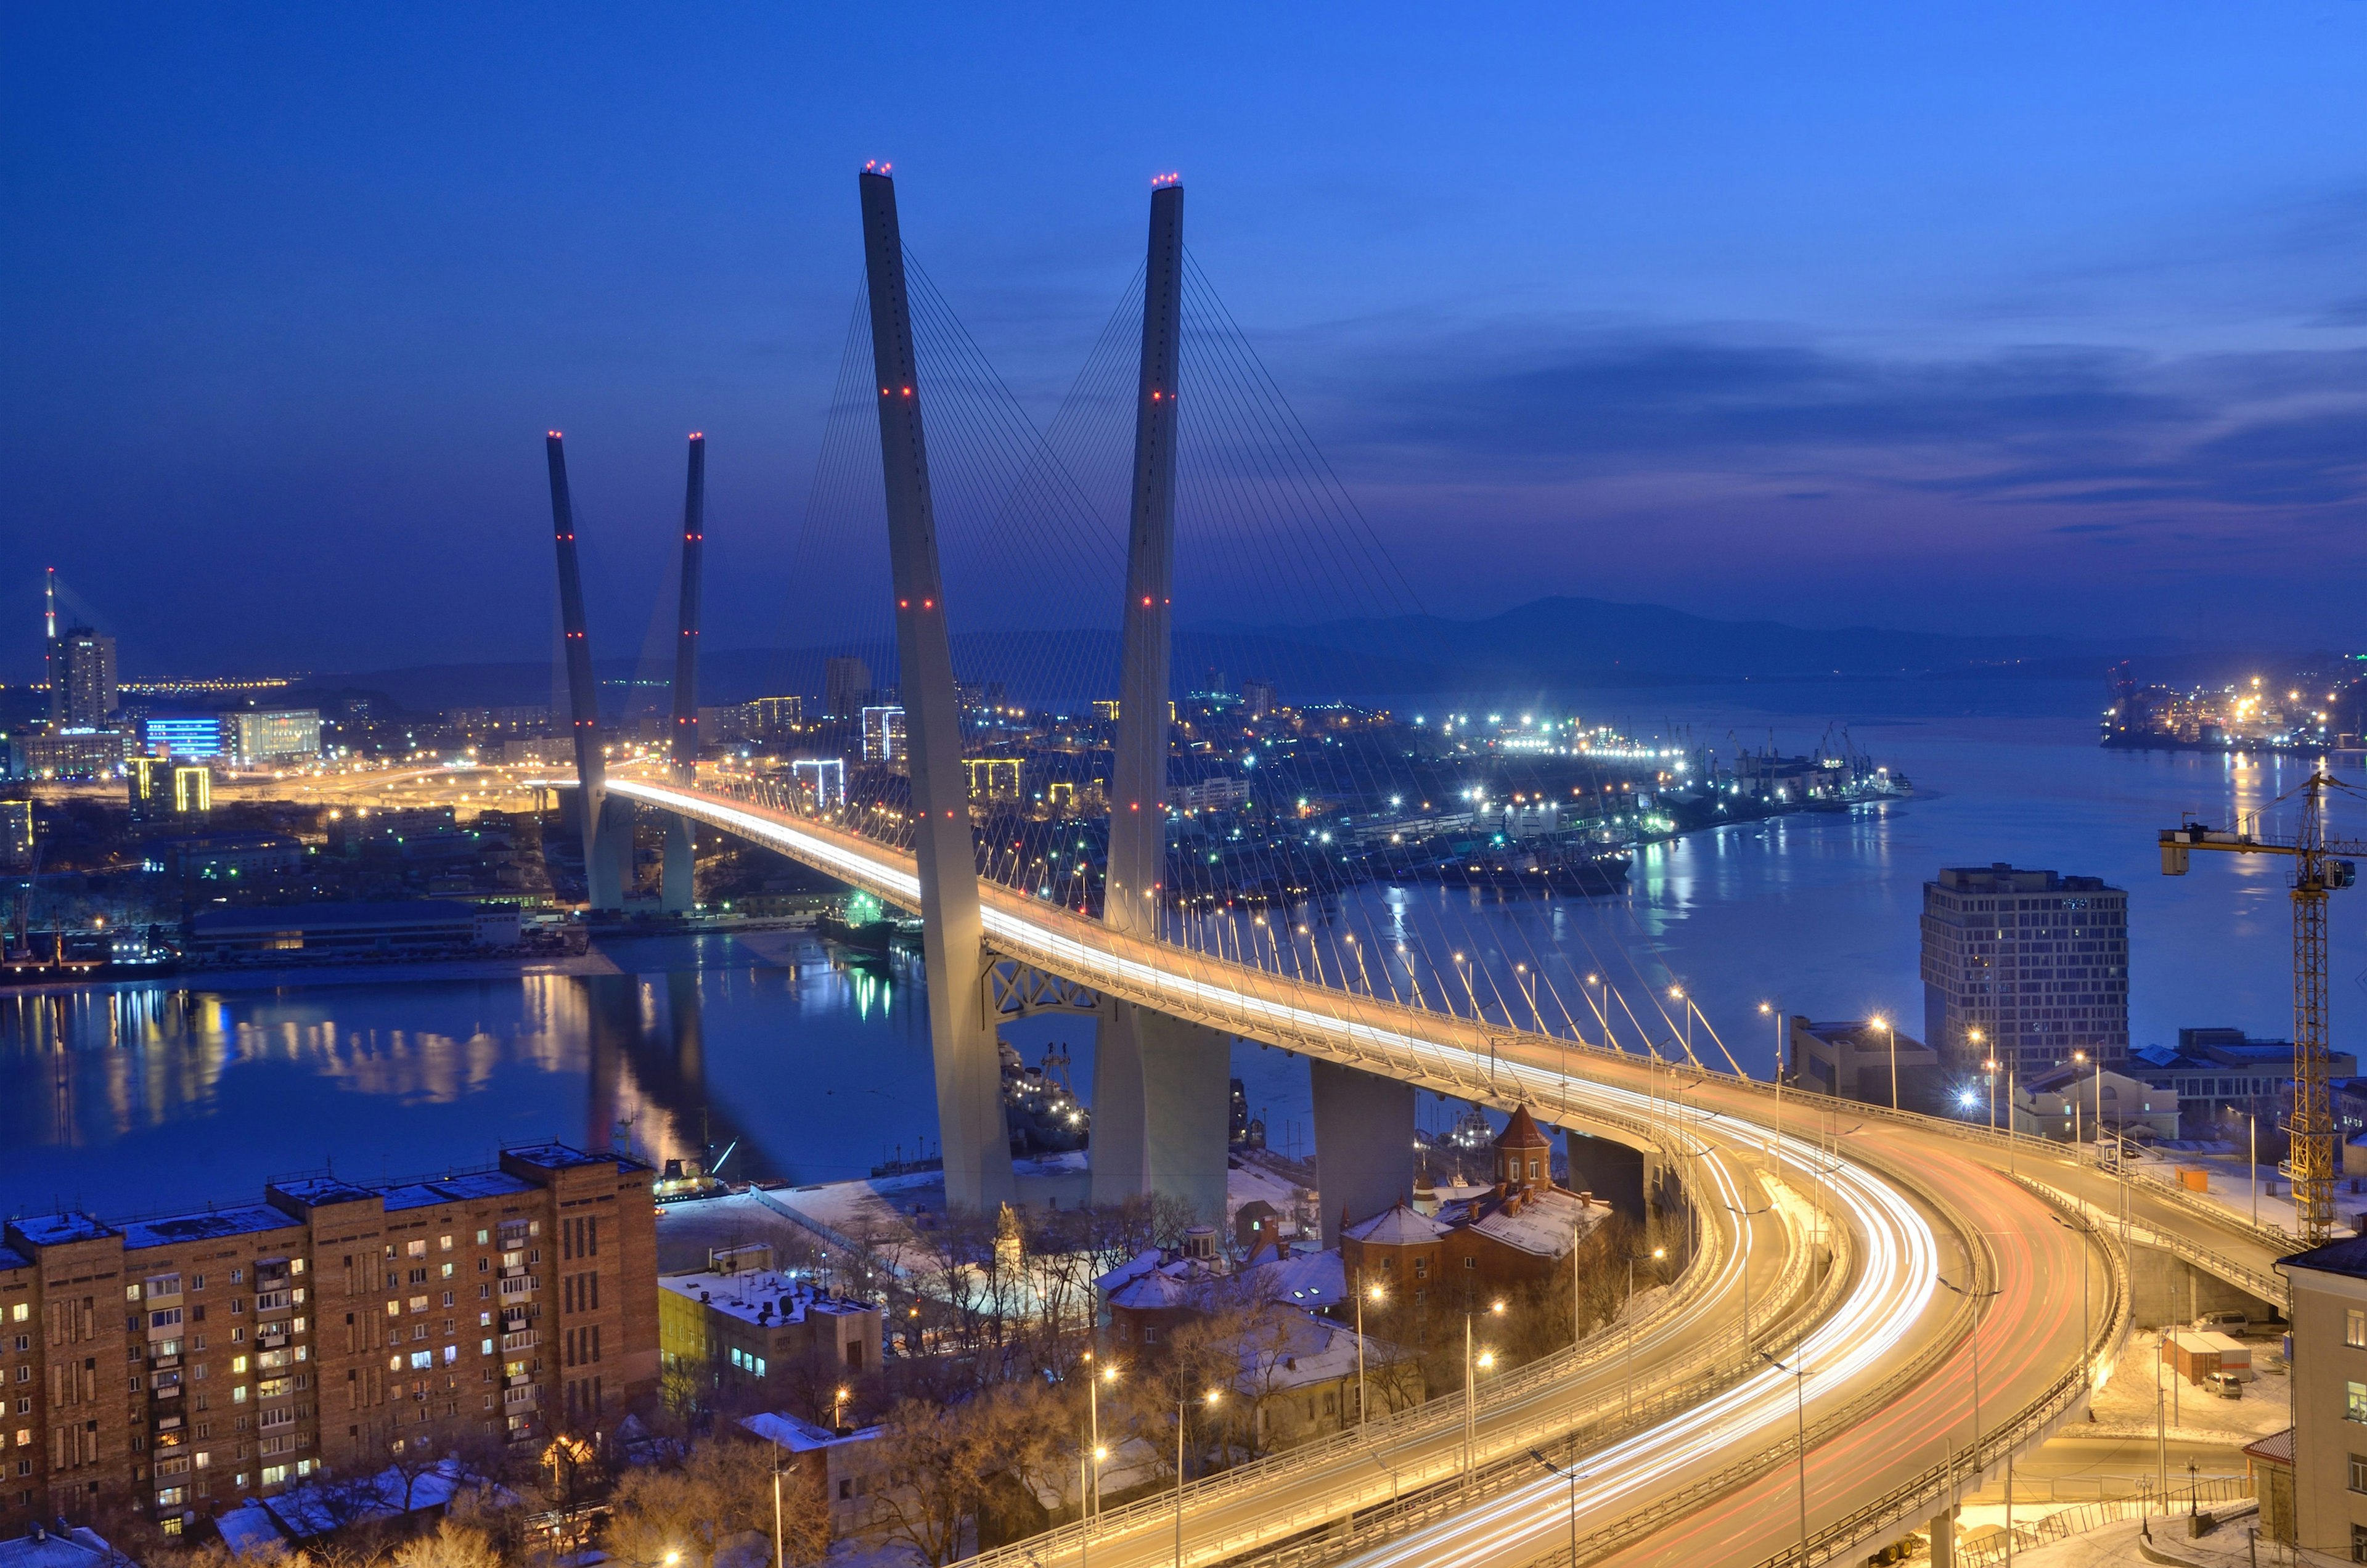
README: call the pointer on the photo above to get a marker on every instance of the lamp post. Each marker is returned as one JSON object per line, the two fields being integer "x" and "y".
{"x": 1677, "y": 993}
{"x": 2253, "y": 1117}
{"x": 1093, "y": 1407}
{"x": 1575, "y": 1475}
{"x": 1775, "y": 1010}
{"x": 1602, "y": 1017}
{"x": 1892, "y": 1035}
{"x": 1629, "y": 1314}
{"x": 1977, "y": 1298}
{"x": 1990, "y": 1067}
{"x": 838, "y": 1408}
{"x": 1800, "y": 1416}
{"x": 1470, "y": 1388}
{"x": 2084, "y": 1230}
{"x": 2078, "y": 1116}
{"x": 1745, "y": 1216}
{"x": 1376, "y": 1293}
{"x": 1463, "y": 968}
{"x": 1528, "y": 983}
{"x": 1182, "y": 1402}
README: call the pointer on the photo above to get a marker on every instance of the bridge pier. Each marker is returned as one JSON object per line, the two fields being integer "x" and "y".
{"x": 1161, "y": 1109}
{"x": 1943, "y": 1537}
{"x": 2167, "y": 1292}
{"x": 675, "y": 893}
{"x": 1363, "y": 1143}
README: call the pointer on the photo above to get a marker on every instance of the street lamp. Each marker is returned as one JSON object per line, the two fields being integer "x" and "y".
{"x": 1575, "y": 1475}
{"x": 1601, "y": 1016}
{"x": 2078, "y": 1133}
{"x": 1800, "y": 1416}
{"x": 2253, "y": 1117}
{"x": 1093, "y": 1407}
{"x": 1677, "y": 993}
{"x": 1528, "y": 984}
{"x": 1376, "y": 1293}
{"x": 1745, "y": 1216}
{"x": 838, "y": 1408}
{"x": 1629, "y": 1314}
{"x": 1211, "y": 1399}
{"x": 1463, "y": 968}
{"x": 1892, "y": 1035}
{"x": 1977, "y": 1298}
{"x": 1470, "y": 1387}
{"x": 1990, "y": 1067}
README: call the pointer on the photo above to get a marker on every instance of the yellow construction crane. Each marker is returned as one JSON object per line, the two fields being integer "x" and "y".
{"x": 2316, "y": 870}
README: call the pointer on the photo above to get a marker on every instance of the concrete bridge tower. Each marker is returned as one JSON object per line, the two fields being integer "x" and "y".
{"x": 969, "y": 1070}
{"x": 1159, "y": 1084}
{"x": 676, "y": 892}
{"x": 607, "y": 835}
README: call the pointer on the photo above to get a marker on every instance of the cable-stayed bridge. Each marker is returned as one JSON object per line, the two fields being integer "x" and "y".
{"x": 1902, "y": 1262}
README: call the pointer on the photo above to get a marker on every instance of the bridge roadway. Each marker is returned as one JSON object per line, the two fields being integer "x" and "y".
{"x": 1889, "y": 1373}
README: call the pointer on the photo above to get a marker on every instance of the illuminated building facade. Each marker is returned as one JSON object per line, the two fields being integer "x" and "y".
{"x": 83, "y": 689}
{"x": 196, "y": 735}
{"x": 331, "y": 1326}
{"x": 257, "y": 738}
{"x": 2027, "y": 966}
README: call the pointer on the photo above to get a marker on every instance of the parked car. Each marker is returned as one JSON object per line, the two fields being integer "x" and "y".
{"x": 2226, "y": 1385}
{"x": 2230, "y": 1322}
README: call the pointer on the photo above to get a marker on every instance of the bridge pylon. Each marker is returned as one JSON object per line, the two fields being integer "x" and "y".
{"x": 679, "y": 868}
{"x": 1159, "y": 1084}
{"x": 607, "y": 835}
{"x": 969, "y": 1068}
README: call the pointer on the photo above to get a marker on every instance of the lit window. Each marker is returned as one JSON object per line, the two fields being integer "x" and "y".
{"x": 2355, "y": 1402}
{"x": 2354, "y": 1327}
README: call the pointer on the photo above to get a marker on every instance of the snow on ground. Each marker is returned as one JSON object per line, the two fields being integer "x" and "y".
{"x": 2125, "y": 1405}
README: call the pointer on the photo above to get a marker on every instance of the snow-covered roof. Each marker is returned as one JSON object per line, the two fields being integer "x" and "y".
{"x": 1548, "y": 1225}
{"x": 1126, "y": 1273}
{"x": 798, "y": 1435}
{"x": 1310, "y": 1279}
{"x": 764, "y": 1296}
{"x": 76, "y": 1548}
{"x": 1397, "y": 1225}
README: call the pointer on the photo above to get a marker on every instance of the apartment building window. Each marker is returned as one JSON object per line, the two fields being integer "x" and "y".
{"x": 2355, "y": 1402}
{"x": 2354, "y": 1327}
{"x": 2358, "y": 1472}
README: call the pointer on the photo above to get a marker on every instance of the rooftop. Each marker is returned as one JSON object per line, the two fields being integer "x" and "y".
{"x": 313, "y": 1191}
{"x": 559, "y": 1156}
{"x": 57, "y": 1230}
{"x": 2347, "y": 1256}
{"x": 1547, "y": 1224}
{"x": 75, "y": 1548}
{"x": 244, "y": 1220}
{"x": 11, "y": 1259}
{"x": 455, "y": 1189}
{"x": 1397, "y": 1225}
{"x": 763, "y": 1296}
{"x": 277, "y": 916}
{"x": 800, "y": 1436}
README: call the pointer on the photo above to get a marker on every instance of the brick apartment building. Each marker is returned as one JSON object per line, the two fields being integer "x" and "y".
{"x": 193, "y": 1360}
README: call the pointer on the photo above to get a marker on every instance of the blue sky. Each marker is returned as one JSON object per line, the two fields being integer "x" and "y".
{"x": 2025, "y": 317}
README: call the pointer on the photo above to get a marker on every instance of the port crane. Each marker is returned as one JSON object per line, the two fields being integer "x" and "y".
{"x": 2319, "y": 866}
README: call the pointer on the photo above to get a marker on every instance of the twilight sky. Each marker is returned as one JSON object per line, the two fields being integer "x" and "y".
{"x": 2011, "y": 318}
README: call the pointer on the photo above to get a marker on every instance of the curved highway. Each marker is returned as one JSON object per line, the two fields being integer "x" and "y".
{"x": 1887, "y": 1396}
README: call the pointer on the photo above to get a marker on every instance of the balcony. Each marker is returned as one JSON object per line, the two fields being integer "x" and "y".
{"x": 521, "y": 1339}
{"x": 521, "y": 1286}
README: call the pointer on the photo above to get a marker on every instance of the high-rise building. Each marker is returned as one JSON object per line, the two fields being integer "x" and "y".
{"x": 774, "y": 716}
{"x": 17, "y": 833}
{"x": 330, "y": 1326}
{"x": 257, "y": 738}
{"x": 77, "y": 753}
{"x": 846, "y": 686}
{"x": 883, "y": 735}
{"x": 82, "y": 690}
{"x": 2027, "y": 966}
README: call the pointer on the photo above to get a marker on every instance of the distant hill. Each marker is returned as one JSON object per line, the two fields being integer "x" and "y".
{"x": 1557, "y": 643}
